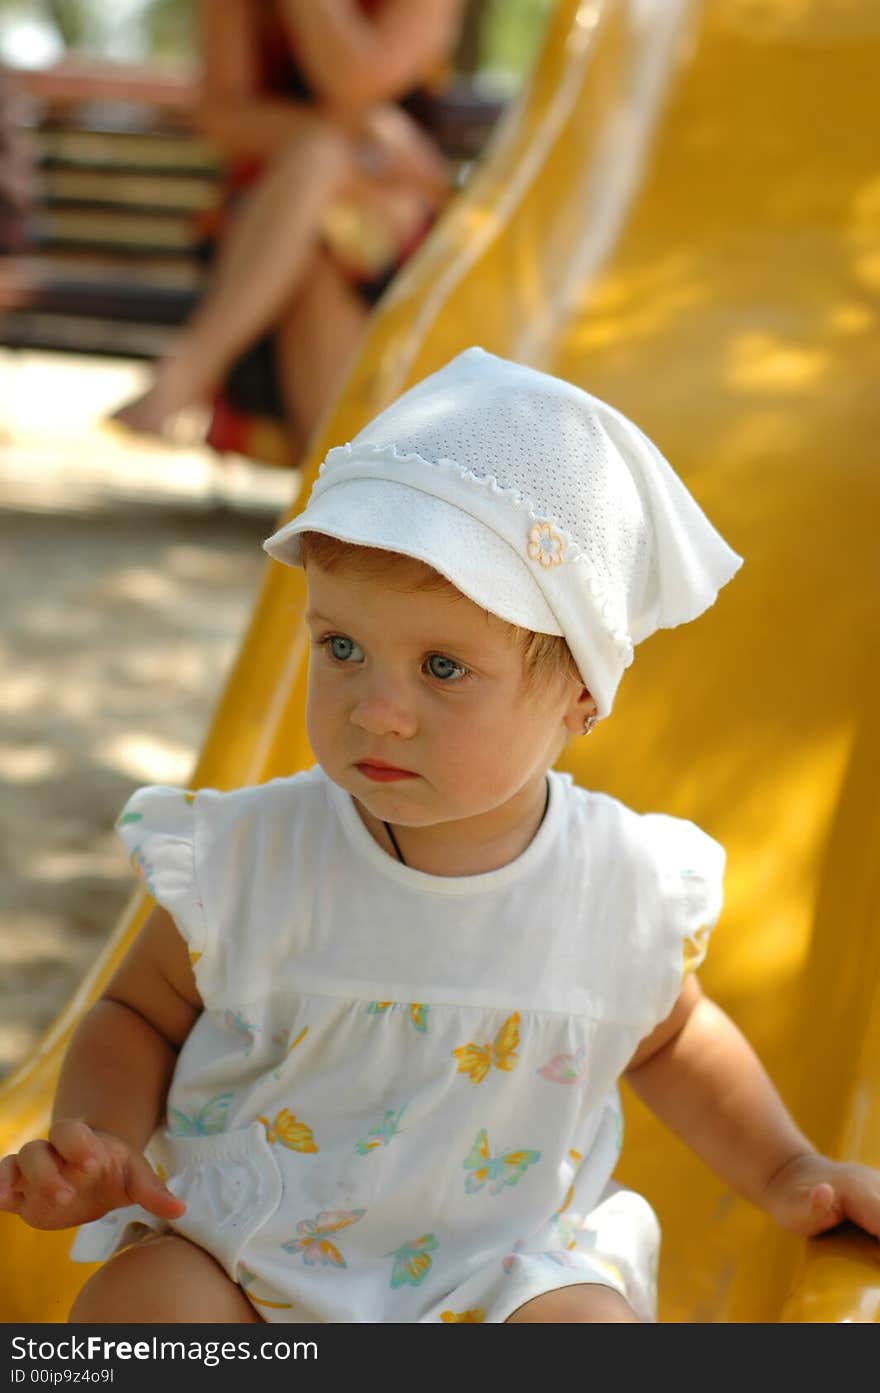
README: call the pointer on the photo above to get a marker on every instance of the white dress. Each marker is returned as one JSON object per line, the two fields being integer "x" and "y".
{"x": 400, "y": 1102}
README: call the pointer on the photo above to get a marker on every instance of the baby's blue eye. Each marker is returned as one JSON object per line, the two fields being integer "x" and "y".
{"x": 444, "y": 669}
{"x": 343, "y": 648}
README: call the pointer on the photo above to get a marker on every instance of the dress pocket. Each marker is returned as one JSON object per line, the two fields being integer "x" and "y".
{"x": 230, "y": 1184}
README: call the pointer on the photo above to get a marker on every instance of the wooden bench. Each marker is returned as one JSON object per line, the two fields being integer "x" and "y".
{"x": 112, "y": 265}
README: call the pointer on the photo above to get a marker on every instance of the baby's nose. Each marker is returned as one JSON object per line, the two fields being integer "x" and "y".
{"x": 383, "y": 710}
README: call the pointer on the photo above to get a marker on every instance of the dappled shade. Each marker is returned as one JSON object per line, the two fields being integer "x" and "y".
{"x": 736, "y": 323}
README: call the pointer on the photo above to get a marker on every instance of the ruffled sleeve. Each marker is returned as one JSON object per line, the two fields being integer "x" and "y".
{"x": 688, "y": 867}
{"x": 662, "y": 886}
{"x": 157, "y": 828}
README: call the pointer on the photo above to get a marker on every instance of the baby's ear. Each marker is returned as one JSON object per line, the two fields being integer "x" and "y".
{"x": 579, "y": 708}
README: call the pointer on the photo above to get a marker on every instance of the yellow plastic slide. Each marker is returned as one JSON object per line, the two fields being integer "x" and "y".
{"x": 681, "y": 214}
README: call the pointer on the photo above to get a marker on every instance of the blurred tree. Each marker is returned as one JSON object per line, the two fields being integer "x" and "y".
{"x": 498, "y": 37}
{"x": 114, "y": 28}
{"x": 510, "y": 32}
{"x": 72, "y": 20}
{"x": 468, "y": 55}
{"x": 171, "y": 28}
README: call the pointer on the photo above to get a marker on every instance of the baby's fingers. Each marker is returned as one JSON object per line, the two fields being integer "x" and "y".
{"x": 822, "y": 1201}
{"x": 40, "y": 1174}
{"x": 861, "y": 1201}
{"x": 107, "y": 1160}
{"x": 145, "y": 1188}
{"x": 78, "y": 1146}
{"x": 10, "y": 1181}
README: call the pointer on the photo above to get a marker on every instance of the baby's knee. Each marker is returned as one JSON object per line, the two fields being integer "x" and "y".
{"x": 162, "y": 1278}
{"x": 582, "y": 1303}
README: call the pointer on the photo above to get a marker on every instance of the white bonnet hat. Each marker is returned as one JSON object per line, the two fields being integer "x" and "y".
{"x": 537, "y": 501}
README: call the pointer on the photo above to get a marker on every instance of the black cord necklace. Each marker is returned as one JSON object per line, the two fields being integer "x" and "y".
{"x": 394, "y": 843}
{"x": 393, "y": 839}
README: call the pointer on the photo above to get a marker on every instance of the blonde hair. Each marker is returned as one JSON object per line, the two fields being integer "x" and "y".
{"x": 545, "y": 656}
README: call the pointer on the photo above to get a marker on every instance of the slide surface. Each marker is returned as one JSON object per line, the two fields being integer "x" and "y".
{"x": 682, "y": 214}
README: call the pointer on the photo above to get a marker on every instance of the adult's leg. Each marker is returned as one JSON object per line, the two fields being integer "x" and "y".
{"x": 316, "y": 341}
{"x": 262, "y": 259}
{"x": 584, "y": 1303}
{"x": 161, "y": 1278}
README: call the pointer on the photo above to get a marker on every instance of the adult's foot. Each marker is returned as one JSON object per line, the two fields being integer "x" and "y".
{"x": 146, "y": 414}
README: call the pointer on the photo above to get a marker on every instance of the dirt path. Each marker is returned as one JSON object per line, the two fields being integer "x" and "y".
{"x": 128, "y": 576}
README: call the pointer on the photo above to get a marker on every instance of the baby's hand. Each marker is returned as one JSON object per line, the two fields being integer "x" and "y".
{"x": 812, "y": 1194}
{"x": 78, "y": 1175}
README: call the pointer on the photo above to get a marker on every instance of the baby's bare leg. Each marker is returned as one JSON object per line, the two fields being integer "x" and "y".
{"x": 582, "y": 1303}
{"x": 161, "y": 1278}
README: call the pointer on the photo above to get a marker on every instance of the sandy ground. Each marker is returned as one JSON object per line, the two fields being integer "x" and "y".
{"x": 127, "y": 577}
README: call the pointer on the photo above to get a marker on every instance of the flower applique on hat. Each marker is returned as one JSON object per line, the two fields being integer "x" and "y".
{"x": 545, "y": 546}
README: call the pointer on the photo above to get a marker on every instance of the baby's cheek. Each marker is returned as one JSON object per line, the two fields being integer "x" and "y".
{"x": 477, "y": 776}
{"x": 320, "y": 725}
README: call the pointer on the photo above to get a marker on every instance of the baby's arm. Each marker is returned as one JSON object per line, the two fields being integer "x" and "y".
{"x": 111, "y": 1093}
{"x": 700, "y": 1076}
